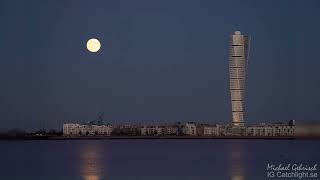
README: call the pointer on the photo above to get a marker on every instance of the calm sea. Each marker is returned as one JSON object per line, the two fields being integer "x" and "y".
{"x": 151, "y": 159}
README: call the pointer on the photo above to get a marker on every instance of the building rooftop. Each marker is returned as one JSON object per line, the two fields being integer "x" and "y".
{"x": 237, "y": 33}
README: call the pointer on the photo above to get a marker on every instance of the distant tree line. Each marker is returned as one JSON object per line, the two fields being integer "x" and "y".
{"x": 22, "y": 133}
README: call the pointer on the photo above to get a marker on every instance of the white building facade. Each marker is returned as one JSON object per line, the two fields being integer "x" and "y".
{"x": 72, "y": 129}
{"x": 211, "y": 131}
{"x": 274, "y": 130}
{"x": 260, "y": 131}
{"x": 190, "y": 129}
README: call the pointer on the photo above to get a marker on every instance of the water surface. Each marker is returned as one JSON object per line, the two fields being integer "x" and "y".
{"x": 150, "y": 159}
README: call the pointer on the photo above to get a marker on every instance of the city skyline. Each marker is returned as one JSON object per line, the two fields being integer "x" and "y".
{"x": 159, "y": 62}
{"x": 159, "y": 89}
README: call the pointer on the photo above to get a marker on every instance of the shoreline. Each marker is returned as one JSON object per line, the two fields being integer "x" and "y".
{"x": 156, "y": 137}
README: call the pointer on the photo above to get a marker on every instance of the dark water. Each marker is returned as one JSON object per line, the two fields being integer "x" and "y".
{"x": 150, "y": 159}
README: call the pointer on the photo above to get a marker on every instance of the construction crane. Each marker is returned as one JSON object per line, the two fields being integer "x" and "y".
{"x": 98, "y": 121}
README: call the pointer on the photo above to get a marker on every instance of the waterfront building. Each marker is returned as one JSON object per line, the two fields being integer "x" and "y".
{"x": 211, "y": 130}
{"x": 200, "y": 129}
{"x": 160, "y": 130}
{"x": 238, "y": 130}
{"x": 190, "y": 129}
{"x": 208, "y": 130}
{"x": 171, "y": 130}
{"x": 179, "y": 127}
{"x": 238, "y": 61}
{"x": 151, "y": 131}
{"x": 143, "y": 130}
{"x": 73, "y": 129}
{"x": 127, "y": 130}
{"x": 260, "y": 131}
{"x": 284, "y": 130}
{"x": 223, "y": 130}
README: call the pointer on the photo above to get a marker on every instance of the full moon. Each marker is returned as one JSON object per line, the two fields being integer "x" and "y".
{"x": 93, "y": 45}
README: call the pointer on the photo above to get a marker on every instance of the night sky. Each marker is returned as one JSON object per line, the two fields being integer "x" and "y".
{"x": 160, "y": 61}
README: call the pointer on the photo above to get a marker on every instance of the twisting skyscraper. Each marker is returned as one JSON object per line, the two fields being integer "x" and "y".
{"x": 238, "y": 61}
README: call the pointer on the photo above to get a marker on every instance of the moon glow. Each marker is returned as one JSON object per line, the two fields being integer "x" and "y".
{"x": 93, "y": 45}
